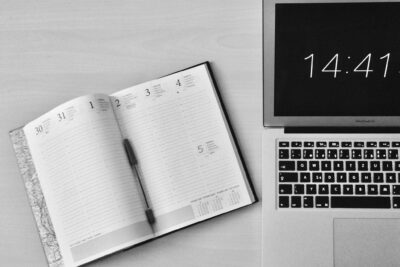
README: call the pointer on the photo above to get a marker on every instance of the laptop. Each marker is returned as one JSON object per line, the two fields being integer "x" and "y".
{"x": 331, "y": 163}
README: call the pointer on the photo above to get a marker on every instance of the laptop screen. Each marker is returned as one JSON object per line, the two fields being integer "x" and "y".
{"x": 337, "y": 59}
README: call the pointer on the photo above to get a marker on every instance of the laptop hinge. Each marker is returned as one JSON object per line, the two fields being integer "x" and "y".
{"x": 351, "y": 130}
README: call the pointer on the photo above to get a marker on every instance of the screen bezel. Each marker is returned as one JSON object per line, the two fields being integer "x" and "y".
{"x": 269, "y": 118}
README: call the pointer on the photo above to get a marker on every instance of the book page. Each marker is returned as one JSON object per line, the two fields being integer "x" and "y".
{"x": 86, "y": 179}
{"x": 186, "y": 154}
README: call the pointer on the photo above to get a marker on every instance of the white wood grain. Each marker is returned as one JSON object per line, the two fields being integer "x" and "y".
{"x": 52, "y": 51}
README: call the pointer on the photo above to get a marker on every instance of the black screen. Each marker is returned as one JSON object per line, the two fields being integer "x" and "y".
{"x": 337, "y": 59}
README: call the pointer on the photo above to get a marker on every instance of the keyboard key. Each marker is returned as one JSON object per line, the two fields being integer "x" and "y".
{"x": 286, "y": 165}
{"x": 288, "y": 177}
{"x": 308, "y": 201}
{"x": 311, "y": 189}
{"x": 335, "y": 189}
{"x": 360, "y": 202}
{"x": 368, "y": 154}
{"x": 296, "y": 202}
{"x": 387, "y": 166}
{"x": 285, "y": 189}
{"x": 309, "y": 144}
{"x": 372, "y": 189}
{"x": 350, "y": 165}
{"x": 356, "y": 154}
{"x": 397, "y": 165}
{"x": 317, "y": 177}
{"x": 378, "y": 177}
{"x": 333, "y": 144}
{"x": 332, "y": 154}
{"x": 344, "y": 154}
{"x": 393, "y": 154}
{"x": 283, "y": 202}
{"x": 302, "y": 165}
{"x": 341, "y": 177}
{"x": 347, "y": 189}
{"x": 323, "y": 189}
{"x": 380, "y": 154}
{"x": 320, "y": 153}
{"x": 360, "y": 189}
{"x": 390, "y": 177}
{"x": 322, "y": 202}
{"x": 338, "y": 166}
{"x": 299, "y": 189}
{"x": 358, "y": 144}
{"x": 395, "y": 144}
{"x": 321, "y": 144}
{"x": 346, "y": 144}
{"x": 308, "y": 154}
{"x": 326, "y": 166}
{"x": 375, "y": 166}
{"x": 314, "y": 165}
{"x": 362, "y": 165}
{"x": 283, "y": 144}
{"x": 283, "y": 153}
{"x": 296, "y": 144}
{"x": 366, "y": 177}
{"x": 396, "y": 202}
{"x": 329, "y": 177}
{"x": 384, "y": 144}
{"x": 305, "y": 177}
{"x": 384, "y": 189}
{"x": 295, "y": 153}
{"x": 372, "y": 144}
{"x": 354, "y": 177}
{"x": 396, "y": 189}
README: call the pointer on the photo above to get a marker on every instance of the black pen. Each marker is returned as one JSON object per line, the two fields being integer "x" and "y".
{"x": 134, "y": 164}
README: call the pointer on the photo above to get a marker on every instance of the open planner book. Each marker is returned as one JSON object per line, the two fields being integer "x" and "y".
{"x": 83, "y": 194}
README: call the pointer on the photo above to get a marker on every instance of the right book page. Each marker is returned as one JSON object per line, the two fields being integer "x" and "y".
{"x": 190, "y": 166}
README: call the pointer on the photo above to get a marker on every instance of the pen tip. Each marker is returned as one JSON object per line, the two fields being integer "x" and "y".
{"x": 150, "y": 216}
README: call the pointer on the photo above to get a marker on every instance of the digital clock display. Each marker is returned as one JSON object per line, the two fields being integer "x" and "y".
{"x": 337, "y": 59}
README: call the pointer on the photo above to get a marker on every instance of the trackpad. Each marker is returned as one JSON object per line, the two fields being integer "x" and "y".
{"x": 366, "y": 242}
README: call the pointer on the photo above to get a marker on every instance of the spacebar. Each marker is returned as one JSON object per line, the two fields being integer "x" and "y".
{"x": 361, "y": 202}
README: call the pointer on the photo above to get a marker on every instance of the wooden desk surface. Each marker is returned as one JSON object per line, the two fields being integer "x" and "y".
{"x": 52, "y": 51}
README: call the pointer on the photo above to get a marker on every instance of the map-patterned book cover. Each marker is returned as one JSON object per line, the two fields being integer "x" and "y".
{"x": 36, "y": 199}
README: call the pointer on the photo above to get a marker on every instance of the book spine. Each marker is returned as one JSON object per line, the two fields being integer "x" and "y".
{"x": 36, "y": 199}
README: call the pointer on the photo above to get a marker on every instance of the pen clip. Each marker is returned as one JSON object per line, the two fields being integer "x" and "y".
{"x": 129, "y": 152}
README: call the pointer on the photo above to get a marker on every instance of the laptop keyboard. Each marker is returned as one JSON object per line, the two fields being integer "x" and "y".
{"x": 338, "y": 174}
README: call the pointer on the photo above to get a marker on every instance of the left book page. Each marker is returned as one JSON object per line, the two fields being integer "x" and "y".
{"x": 88, "y": 185}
